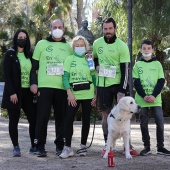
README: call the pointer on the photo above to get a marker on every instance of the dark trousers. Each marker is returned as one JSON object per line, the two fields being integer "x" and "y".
{"x": 30, "y": 110}
{"x": 159, "y": 120}
{"x": 70, "y": 115}
{"x": 58, "y": 99}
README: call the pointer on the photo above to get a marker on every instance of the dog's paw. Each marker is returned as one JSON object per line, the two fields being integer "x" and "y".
{"x": 105, "y": 156}
{"x": 128, "y": 156}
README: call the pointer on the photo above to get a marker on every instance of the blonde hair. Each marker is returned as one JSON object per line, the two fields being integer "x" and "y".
{"x": 79, "y": 37}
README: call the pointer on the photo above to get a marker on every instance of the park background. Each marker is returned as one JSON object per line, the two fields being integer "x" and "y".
{"x": 150, "y": 20}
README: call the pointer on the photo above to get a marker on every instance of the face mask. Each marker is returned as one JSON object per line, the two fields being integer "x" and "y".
{"x": 21, "y": 42}
{"x": 57, "y": 33}
{"x": 146, "y": 55}
{"x": 80, "y": 50}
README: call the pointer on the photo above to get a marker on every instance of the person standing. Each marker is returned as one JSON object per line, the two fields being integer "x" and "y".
{"x": 17, "y": 94}
{"x": 79, "y": 81}
{"x": 149, "y": 80}
{"x": 48, "y": 59}
{"x": 112, "y": 56}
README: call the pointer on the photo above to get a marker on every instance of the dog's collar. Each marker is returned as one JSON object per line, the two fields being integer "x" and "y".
{"x": 112, "y": 116}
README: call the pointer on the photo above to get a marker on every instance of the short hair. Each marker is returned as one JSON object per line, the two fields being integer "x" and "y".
{"x": 108, "y": 20}
{"x": 148, "y": 42}
{"x": 27, "y": 47}
{"x": 79, "y": 37}
{"x": 56, "y": 20}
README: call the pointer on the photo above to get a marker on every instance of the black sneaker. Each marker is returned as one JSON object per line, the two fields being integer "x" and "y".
{"x": 33, "y": 150}
{"x": 41, "y": 153}
{"x": 163, "y": 151}
{"x": 145, "y": 152}
{"x": 59, "y": 150}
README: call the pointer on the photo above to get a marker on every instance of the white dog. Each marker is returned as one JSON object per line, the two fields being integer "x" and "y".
{"x": 119, "y": 124}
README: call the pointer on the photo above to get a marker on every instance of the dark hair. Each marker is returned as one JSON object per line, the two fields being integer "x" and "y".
{"x": 148, "y": 42}
{"x": 27, "y": 47}
{"x": 108, "y": 20}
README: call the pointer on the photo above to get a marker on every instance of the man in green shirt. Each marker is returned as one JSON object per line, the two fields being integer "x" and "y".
{"x": 149, "y": 80}
{"x": 112, "y": 57}
{"x": 46, "y": 81}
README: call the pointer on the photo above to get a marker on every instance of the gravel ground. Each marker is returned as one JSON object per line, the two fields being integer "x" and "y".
{"x": 93, "y": 161}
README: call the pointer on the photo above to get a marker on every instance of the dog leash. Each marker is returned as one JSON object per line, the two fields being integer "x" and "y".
{"x": 95, "y": 113}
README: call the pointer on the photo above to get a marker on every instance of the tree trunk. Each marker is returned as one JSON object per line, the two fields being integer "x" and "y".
{"x": 79, "y": 12}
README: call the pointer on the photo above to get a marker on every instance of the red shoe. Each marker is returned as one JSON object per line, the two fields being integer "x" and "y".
{"x": 104, "y": 151}
{"x": 134, "y": 152}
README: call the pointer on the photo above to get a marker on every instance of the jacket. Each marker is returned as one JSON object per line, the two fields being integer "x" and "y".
{"x": 12, "y": 74}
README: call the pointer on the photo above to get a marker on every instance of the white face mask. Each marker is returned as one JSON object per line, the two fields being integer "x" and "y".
{"x": 57, "y": 33}
{"x": 146, "y": 55}
{"x": 80, "y": 50}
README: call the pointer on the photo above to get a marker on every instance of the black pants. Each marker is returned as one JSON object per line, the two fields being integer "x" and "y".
{"x": 159, "y": 120}
{"x": 70, "y": 115}
{"x": 30, "y": 110}
{"x": 58, "y": 99}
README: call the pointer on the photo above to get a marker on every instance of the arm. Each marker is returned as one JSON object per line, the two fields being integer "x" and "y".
{"x": 158, "y": 87}
{"x": 124, "y": 77}
{"x": 7, "y": 67}
{"x": 71, "y": 97}
{"x": 138, "y": 87}
{"x": 33, "y": 76}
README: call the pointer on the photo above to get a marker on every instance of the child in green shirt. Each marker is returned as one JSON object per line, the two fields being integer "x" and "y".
{"x": 148, "y": 81}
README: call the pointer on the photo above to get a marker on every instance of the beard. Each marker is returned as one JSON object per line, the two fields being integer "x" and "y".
{"x": 109, "y": 35}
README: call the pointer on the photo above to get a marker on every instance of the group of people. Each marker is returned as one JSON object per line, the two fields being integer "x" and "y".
{"x": 58, "y": 75}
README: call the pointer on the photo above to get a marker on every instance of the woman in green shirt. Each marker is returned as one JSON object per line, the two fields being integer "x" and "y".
{"x": 79, "y": 82}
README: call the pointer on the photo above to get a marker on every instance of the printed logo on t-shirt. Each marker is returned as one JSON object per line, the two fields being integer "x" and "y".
{"x": 140, "y": 70}
{"x": 49, "y": 48}
{"x": 100, "y": 50}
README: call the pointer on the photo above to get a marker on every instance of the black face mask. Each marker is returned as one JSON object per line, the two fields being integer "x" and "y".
{"x": 21, "y": 42}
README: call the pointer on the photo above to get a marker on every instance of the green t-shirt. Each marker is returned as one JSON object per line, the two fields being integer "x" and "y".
{"x": 49, "y": 54}
{"x": 78, "y": 69}
{"x": 25, "y": 65}
{"x": 148, "y": 73}
{"x": 111, "y": 55}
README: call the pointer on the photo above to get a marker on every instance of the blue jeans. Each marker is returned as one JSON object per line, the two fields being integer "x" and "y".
{"x": 159, "y": 120}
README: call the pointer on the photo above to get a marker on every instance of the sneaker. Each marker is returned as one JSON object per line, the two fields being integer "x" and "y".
{"x": 16, "y": 151}
{"x": 82, "y": 151}
{"x": 59, "y": 150}
{"x": 163, "y": 151}
{"x": 33, "y": 150}
{"x": 104, "y": 150}
{"x": 146, "y": 151}
{"x": 66, "y": 152}
{"x": 134, "y": 152}
{"x": 41, "y": 153}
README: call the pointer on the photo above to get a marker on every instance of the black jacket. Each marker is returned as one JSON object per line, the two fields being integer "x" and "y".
{"x": 12, "y": 74}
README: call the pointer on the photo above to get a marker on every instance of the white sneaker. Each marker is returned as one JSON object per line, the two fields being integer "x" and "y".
{"x": 66, "y": 152}
{"x": 82, "y": 151}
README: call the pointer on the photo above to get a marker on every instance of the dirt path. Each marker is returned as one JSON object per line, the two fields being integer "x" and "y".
{"x": 92, "y": 161}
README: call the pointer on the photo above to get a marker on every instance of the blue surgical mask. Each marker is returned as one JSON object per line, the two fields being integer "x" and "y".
{"x": 80, "y": 50}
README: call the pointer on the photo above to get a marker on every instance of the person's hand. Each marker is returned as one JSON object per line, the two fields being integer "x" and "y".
{"x": 93, "y": 102}
{"x": 151, "y": 99}
{"x": 14, "y": 98}
{"x": 146, "y": 98}
{"x": 89, "y": 55}
{"x": 34, "y": 88}
{"x": 97, "y": 69}
{"x": 119, "y": 96}
{"x": 71, "y": 99}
